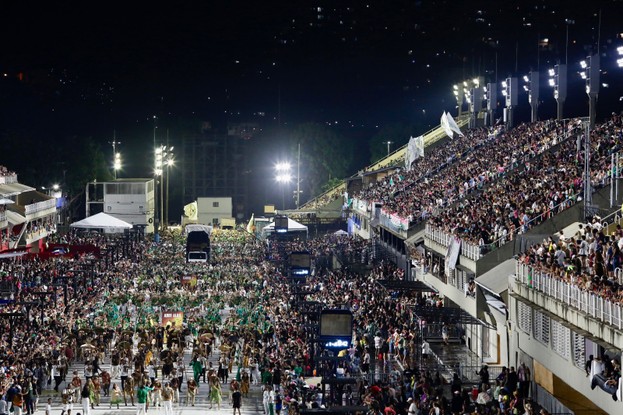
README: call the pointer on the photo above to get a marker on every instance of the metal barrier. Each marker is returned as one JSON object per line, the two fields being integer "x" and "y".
{"x": 443, "y": 238}
{"x": 593, "y": 304}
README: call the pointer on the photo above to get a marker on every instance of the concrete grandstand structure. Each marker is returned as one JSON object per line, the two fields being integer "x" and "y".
{"x": 461, "y": 219}
{"x": 27, "y": 216}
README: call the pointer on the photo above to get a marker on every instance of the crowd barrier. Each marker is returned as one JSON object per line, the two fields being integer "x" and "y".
{"x": 468, "y": 249}
{"x": 593, "y": 304}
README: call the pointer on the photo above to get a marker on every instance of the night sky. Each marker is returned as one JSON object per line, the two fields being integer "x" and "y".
{"x": 93, "y": 67}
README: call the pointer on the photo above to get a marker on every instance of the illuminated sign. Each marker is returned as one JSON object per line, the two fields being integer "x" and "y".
{"x": 336, "y": 344}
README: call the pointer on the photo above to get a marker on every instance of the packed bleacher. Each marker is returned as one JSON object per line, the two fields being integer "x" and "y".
{"x": 465, "y": 165}
{"x": 489, "y": 186}
{"x": 541, "y": 188}
{"x": 588, "y": 260}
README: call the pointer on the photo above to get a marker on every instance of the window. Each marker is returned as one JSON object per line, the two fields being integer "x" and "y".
{"x": 215, "y": 204}
{"x": 486, "y": 342}
{"x": 561, "y": 339}
{"x": 524, "y": 317}
{"x": 579, "y": 350}
{"x": 541, "y": 327}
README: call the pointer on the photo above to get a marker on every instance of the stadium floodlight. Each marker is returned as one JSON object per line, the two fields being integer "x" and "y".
{"x": 491, "y": 94}
{"x": 532, "y": 88}
{"x": 590, "y": 73}
{"x": 459, "y": 94}
{"x": 510, "y": 93}
{"x": 558, "y": 81}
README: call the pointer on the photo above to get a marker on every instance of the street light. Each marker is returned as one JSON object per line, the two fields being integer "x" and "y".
{"x": 164, "y": 158}
{"x": 389, "y": 143}
{"x": 169, "y": 162}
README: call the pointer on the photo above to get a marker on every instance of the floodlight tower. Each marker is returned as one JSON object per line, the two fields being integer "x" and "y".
{"x": 509, "y": 91}
{"x": 491, "y": 94}
{"x": 531, "y": 86}
{"x": 590, "y": 73}
{"x": 459, "y": 95}
{"x": 558, "y": 81}
{"x": 473, "y": 96}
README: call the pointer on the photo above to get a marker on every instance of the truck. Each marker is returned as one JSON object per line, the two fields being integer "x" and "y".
{"x": 198, "y": 243}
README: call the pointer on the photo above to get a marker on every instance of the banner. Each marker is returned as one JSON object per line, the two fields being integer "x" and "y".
{"x": 189, "y": 280}
{"x": 454, "y": 249}
{"x": 172, "y": 318}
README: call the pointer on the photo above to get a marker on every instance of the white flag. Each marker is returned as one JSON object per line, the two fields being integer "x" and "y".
{"x": 444, "y": 124}
{"x": 419, "y": 142}
{"x": 453, "y": 125}
{"x": 415, "y": 149}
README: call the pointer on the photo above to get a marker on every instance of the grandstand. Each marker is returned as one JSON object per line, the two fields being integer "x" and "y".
{"x": 332, "y": 199}
{"x": 461, "y": 218}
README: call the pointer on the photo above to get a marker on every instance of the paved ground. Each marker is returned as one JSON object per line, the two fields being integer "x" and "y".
{"x": 250, "y": 405}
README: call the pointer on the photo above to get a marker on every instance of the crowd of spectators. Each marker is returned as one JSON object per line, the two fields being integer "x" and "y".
{"x": 242, "y": 298}
{"x": 587, "y": 260}
{"x": 542, "y": 187}
{"x": 449, "y": 174}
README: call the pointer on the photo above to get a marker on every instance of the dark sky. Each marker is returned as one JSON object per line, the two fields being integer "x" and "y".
{"x": 365, "y": 62}
{"x": 93, "y": 67}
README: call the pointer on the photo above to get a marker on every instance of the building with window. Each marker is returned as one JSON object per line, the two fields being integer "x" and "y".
{"x": 27, "y": 216}
{"x": 131, "y": 200}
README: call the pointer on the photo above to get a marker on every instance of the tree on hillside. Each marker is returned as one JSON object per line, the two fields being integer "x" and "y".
{"x": 398, "y": 134}
{"x": 325, "y": 155}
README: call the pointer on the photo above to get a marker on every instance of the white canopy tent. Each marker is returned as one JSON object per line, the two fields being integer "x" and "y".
{"x": 293, "y": 226}
{"x": 107, "y": 223}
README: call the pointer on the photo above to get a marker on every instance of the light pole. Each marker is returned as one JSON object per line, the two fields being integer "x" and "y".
{"x": 158, "y": 172}
{"x": 298, "y": 177}
{"x": 170, "y": 161}
{"x": 590, "y": 73}
{"x": 157, "y": 169}
{"x": 558, "y": 81}
{"x": 389, "y": 143}
{"x": 532, "y": 88}
{"x": 116, "y": 156}
{"x": 509, "y": 91}
{"x": 283, "y": 177}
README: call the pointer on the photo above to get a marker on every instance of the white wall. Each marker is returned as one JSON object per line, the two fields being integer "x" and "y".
{"x": 207, "y": 212}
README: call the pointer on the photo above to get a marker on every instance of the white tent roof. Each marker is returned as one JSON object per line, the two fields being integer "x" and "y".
{"x": 101, "y": 221}
{"x": 293, "y": 226}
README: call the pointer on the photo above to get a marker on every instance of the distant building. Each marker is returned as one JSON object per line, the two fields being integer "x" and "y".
{"x": 131, "y": 200}
{"x": 27, "y": 216}
{"x": 213, "y": 210}
{"x": 215, "y": 164}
